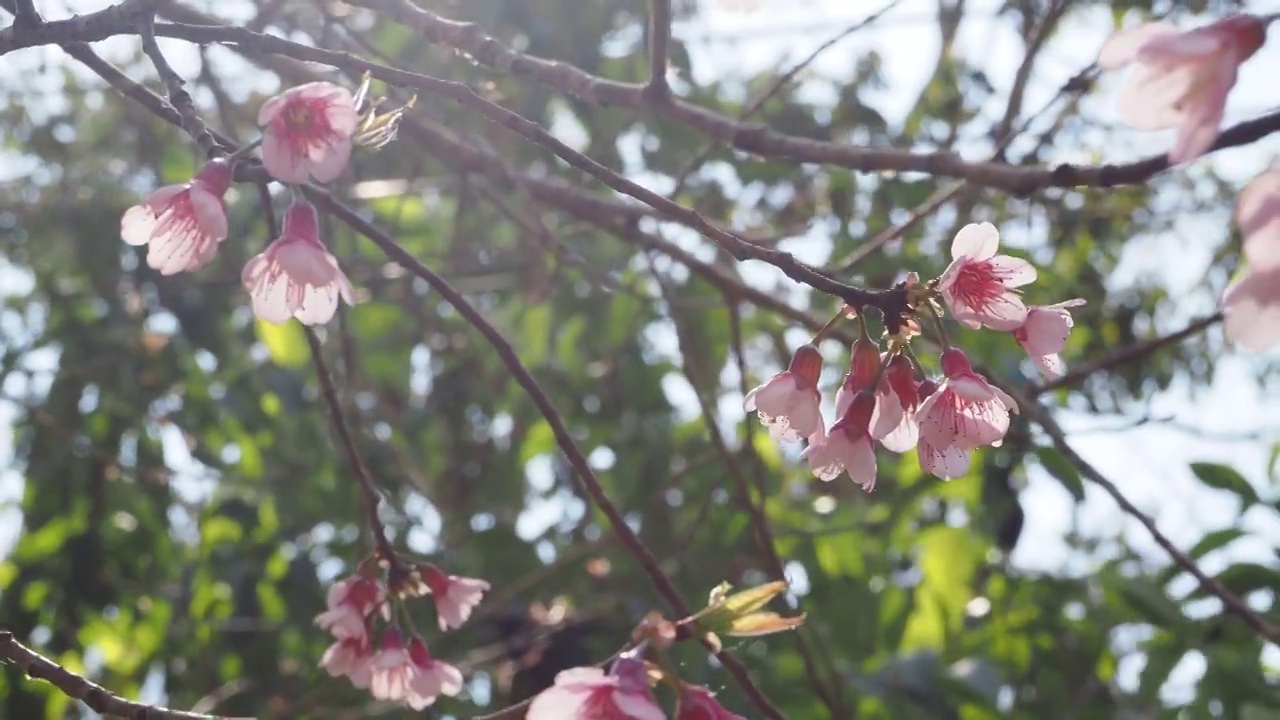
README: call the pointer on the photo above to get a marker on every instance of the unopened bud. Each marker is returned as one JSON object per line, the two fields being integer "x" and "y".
{"x": 806, "y": 366}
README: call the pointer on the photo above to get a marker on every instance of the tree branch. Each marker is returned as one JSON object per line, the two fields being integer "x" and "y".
{"x": 658, "y": 90}
{"x": 764, "y": 141}
{"x": 86, "y": 691}
{"x": 1230, "y": 600}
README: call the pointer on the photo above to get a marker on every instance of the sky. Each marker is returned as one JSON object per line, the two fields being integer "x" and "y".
{"x": 1149, "y": 462}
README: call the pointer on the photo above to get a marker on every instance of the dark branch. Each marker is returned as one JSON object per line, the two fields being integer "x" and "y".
{"x": 86, "y": 691}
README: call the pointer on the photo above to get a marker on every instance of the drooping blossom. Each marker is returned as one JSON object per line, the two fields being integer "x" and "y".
{"x": 789, "y": 403}
{"x": 1044, "y": 334}
{"x": 350, "y": 657}
{"x": 894, "y": 422}
{"x": 1183, "y": 78}
{"x": 1258, "y": 215}
{"x": 978, "y": 285}
{"x": 409, "y": 675}
{"x": 454, "y": 596}
{"x": 848, "y": 447}
{"x": 296, "y": 276}
{"x": 350, "y": 602}
{"x": 308, "y": 132}
{"x": 588, "y": 693}
{"x": 1251, "y": 310}
{"x": 699, "y": 703}
{"x": 181, "y": 224}
{"x": 964, "y": 413}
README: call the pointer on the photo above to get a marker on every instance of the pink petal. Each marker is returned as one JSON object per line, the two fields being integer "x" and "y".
{"x": 1204, "y": 115}
{"x": 342, "y": 117}
{"x": 1252, "y": 309}
{"x": 211, "y": 215}
{"x": 1051, "y": 365}
{"x": 861, "y": 464}
{"x": 557, "y": 703}
{"x": 1195, "y": 46}
{"x": 318, "y": 305}
{"x": 1122, "y": 48}
{"x": 137, "y": 224}
{"x": 1258, "y": 214}
{"x": 1150, "y": 99}
{"x": 271, "y": 108}
{"x": 946, "y": 462}
{"x": 1014, "y": 272}
{"x": 1046, "y": 331}
{"x": 976, "y": 241}
{"x": 281, "y": 162}
{"x": 328, "y": 162}
{"x": 971, "y": 388}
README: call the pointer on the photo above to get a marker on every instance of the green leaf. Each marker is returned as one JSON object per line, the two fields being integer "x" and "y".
{"x": 1223, "y": 477}
{"x": 1062, "y": 470}
{"x": 1215, "y": 540}
{"x": 286, "y": 343}
{"x": 1151, "y": 602}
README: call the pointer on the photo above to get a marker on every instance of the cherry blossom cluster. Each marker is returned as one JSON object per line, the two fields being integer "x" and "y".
{"x": 308, "y": 135}
{"x": 1182, "y": 81}
{"x": 887, "y": 398}
{"x": 396, "y": 669}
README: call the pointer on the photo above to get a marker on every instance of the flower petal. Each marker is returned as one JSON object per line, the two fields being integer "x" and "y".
{"x": 1122, "y": 48}
{"x": 976, "y": 241}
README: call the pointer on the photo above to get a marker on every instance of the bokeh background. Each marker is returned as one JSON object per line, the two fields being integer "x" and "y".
{"x": 174, "y": 507}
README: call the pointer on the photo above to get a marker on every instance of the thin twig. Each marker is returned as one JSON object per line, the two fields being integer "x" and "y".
{"x": 372, "y": 496}
{"x": 659, "y": 48}
{"x": 86, "y": 691}
{"x": 1230, "y": 600}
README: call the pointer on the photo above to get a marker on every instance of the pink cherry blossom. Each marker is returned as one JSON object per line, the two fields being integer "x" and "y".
{"x": 1044, "y": 334}
{"x": 352, "y": 658}
{"x": 946, "y": 461}
{"x": 699, "y": 703}
{"x": 409, "y": 675}
{"x": 350, "y": 602}
{"x": 964, "y": 413}
{"x": 1183, "y": 78}
{"x": 308, "y": 132}
{"x": 181, "y": 224}
{"x": 1258, "y": 215}
{"x": 894, "y": 421}
{"x": 454, "y": 596}
{"x": 1251, "y": 309}
{"x": 587, "y": 693}
{"x": 848, "y": 447}
{"x": 789, "y": 403}
{"x": 296, "y": 276}
{"x": 979, "y": 285}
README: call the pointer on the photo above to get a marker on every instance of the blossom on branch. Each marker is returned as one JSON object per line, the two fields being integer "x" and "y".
{"x": 1183, "y": 78}
{"x": 409, "y": 675}
{"x": 848, "y": 447}
{"x": 454, "y": 596}
{"x": 351, "y": 658}
{"x": 308, "y": 132}
{"x": 964, "y": 413}
{"x": 296, "y": 276}
{"x": 789, "y": 403}
{"x": 351, "y": 602}
{"x": 978, "y": 285}
{"x": 588, "y": 693}
{"x": 182, "y": 225}
{"x": 894, "y": 422}
{"x": 1044, "y": 334}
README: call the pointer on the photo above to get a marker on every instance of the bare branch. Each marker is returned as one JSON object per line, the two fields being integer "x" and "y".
{"x": 659, "y": 48}
{"x": 86, "y": 691}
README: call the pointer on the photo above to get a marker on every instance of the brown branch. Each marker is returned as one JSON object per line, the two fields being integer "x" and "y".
{"x": 583, "y": 473}
{"x": 764, "y": 141}
{"x": 86, "y": 691}
{"x": 25, "y": 15}
{"x": 370, "y": 494}
{"x": 658, "y": 90}
{"x": 175, "y": 87}
{"x": 1127, "y": 355}
{"x": 1230, "y": 601}
{"x": 91, "y": 27}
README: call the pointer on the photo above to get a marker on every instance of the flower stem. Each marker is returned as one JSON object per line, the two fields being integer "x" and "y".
{"x": 822, "y": 331}
{"x": 937, "y": 323}
{"x": 243, "y": 151}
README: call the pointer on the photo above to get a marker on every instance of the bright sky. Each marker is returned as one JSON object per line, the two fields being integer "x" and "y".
{"x": 1148, "y": 462}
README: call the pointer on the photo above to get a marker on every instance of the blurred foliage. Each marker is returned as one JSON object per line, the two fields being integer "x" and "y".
{"x": 183, "y": 507}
